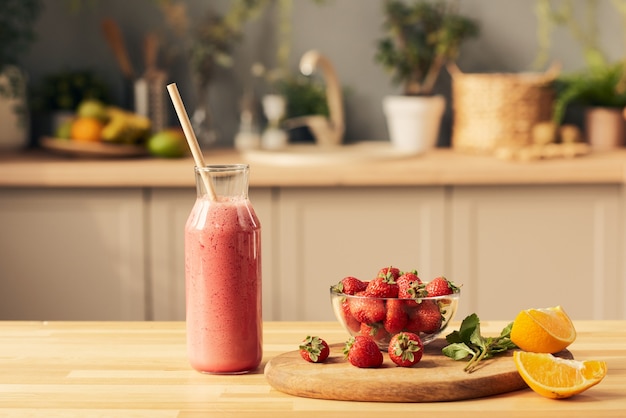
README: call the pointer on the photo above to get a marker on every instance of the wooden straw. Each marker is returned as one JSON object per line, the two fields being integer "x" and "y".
{"x": 191, "y": 137}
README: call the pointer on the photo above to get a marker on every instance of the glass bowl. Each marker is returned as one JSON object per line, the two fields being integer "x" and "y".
{"x": 381, "y": 318}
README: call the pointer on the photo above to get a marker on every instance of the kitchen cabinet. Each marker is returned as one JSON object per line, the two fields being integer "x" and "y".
{"x": 325, "y": 234}
{"x": 167, "y": 212}
{"x": 118, "y": 253}
{"x": 517, "y": 247}
{"x": 72, "y": 254}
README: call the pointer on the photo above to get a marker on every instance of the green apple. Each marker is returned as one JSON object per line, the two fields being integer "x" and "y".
{"x": 63, "y": 131}
{"x": 168, "y": 143}
{"x": 92, "y": 108}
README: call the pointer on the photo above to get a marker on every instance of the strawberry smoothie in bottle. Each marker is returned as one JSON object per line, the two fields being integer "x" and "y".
{"x": 223, "y": 274}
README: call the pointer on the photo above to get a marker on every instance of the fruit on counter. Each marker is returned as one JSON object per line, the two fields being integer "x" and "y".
{"x": 440, "y": 286}
{"x": 425, "y": 318}
{"x": 396, "y": 317}
{"x": 350, "y": 285}
{"x": 363, "y": 352}
{"x": 125, "y": 127}
{"x": 558, "y": 378}
{"x": 366, "y": 310}
{"x": 405, "y": 349}
{"x": 92, "y": 108}
{"x": 64, "y": 130}
{"x": 383, "y": 286}
{"x": 469, "y": 342}
{"x": 314, "y": 349}
{"x": 393, "y": 301}
{"x": 546, "y": 330}
{"x": 94, "y": 121}
{"x": 86, "y": 129}
{"x": 168, "y": 143}
{"x": 410, "y": 286}
{"x": 376, "y": 331}
{"x": 389, "y": 272}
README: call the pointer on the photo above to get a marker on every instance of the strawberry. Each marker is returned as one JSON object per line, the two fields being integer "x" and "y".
{"x": 383, "y": 287}
{"x": 440, "y": 286}
{"x": 413, "y": 323}
{"x": 350, "y": 320}
{"x": 314, "y": 349}
{"x": 366, "y": 309}
{"x": 410, "y": 286}
{"x": 363, "y": 352}
{"x": 396, "y": 317}
{"x": 405, "y": 349}
{"x": 376, "y": 331}
{"x": 425, "y": 318}
{"x": 389, "y": 272}
{"x": 406, "y": 279}
{"x": 350, "y": 285}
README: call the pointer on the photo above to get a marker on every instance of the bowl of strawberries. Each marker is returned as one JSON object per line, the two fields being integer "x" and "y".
{"x": 395, "y": 301}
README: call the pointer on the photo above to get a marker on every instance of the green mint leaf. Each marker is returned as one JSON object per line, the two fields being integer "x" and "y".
{"x": 468, "y": 326}
{"x": 477, "y": 339}
{"x": 458, "y": 351}
{"x": 468, "y": 341}
{"x": 506, "y": 331}
{"x": 454, "y": 337}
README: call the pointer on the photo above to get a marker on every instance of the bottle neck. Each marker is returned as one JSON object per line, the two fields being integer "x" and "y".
{"x": 229, "y": 181}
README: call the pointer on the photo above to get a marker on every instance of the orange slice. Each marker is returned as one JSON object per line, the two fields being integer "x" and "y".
{"x": 558, "y": 378}
{"x": 547, "y": 330}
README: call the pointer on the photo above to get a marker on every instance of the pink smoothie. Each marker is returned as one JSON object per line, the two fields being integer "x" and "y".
{"x": 223, "y": 286}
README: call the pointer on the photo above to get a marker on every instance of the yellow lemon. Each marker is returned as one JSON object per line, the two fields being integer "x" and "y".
{"x": 558, "y": 378}
{"x": 547, "y": 330}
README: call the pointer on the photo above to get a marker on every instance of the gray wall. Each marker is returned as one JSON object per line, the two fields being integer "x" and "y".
{"x": 344, "y": 30}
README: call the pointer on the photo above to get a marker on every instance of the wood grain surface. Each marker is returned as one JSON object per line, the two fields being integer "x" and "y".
{"x": 435, "y": 378}
{"x": 139, "y": 369}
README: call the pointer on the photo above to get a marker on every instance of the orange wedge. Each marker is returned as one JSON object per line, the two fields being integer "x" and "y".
{"x": 558, "y": 378}
{"x": 547, "y": 330}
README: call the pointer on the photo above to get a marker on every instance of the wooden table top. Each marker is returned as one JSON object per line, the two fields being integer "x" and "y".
{"x": 123, "y": 369}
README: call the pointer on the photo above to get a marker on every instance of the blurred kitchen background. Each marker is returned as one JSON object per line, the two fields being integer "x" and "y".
{"x": 90, "y": 238}
{"x": 69, "y": 38}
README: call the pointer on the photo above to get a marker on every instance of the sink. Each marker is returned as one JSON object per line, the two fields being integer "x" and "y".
{"x": 311, "y": 154}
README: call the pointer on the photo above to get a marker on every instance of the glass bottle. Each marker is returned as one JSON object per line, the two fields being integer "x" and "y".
{"x": 223, "y": 274}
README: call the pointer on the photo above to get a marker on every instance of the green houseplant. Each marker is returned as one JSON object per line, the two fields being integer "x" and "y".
{"x": 600, "y": 88}
{"x": 17, "y": 18}
{"x": 420, "y": 38}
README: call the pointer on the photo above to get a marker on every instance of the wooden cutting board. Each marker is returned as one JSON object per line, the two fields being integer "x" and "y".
{"x": 435, "y": 378}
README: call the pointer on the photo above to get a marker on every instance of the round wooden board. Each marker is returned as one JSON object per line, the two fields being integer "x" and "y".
{"x": 92, "y": 149}
{"x": 435, "y": 378}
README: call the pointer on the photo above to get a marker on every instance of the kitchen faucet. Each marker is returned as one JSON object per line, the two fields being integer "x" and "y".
{"x": 325, "y": 130}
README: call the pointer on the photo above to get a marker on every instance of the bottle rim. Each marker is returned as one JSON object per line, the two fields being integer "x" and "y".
{"x": 219, "y": 168}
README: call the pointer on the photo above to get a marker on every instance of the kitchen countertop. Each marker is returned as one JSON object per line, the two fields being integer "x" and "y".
{"x": 438, "y": 167}
{"x": 120, "y": 369}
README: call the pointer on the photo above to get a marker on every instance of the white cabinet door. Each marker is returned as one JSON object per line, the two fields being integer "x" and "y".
{"x": 326, "y": 234}
{"x": 519, "y": 247}
{"x": 71, "y": 254}
{"x": 169, "y": 209}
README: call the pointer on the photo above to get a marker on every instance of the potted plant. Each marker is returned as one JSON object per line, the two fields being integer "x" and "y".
{"x": 599, "y": 89}
{"x": 601, "y": 92}
{"x": 420, "y": 38}
{"x": 16, "y": 34}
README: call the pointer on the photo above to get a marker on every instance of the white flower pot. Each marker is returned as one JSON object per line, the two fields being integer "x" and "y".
{"x": 414, "y": 121}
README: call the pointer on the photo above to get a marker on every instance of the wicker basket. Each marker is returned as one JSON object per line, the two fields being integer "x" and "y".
{"x": 498, "y": 109}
